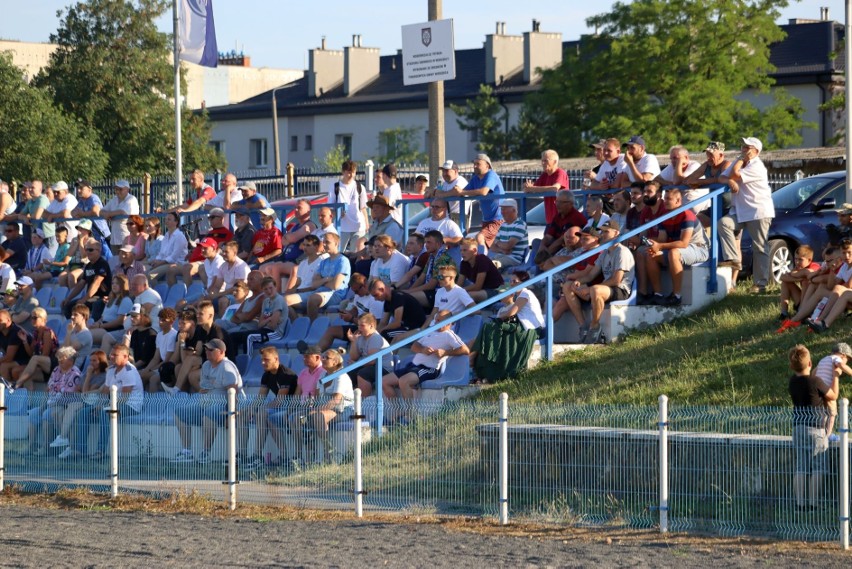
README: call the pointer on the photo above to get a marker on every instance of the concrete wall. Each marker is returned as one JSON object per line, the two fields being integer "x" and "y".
{"x": 811, "y": 98}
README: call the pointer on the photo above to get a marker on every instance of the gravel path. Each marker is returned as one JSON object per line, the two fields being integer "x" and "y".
{"x": 37, "y": 537}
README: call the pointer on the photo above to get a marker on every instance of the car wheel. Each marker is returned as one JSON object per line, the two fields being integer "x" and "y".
{"x": 780, "y": 258}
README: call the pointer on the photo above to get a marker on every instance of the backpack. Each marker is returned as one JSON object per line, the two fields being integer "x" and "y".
{"x": 362, "y": 191}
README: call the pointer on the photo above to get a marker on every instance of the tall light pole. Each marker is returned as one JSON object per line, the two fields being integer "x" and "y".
{"x": 275, "y": 132}
{"x": 436, "y": 109}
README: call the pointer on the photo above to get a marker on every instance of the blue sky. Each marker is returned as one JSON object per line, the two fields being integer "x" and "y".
{"x": 278, "y": 33}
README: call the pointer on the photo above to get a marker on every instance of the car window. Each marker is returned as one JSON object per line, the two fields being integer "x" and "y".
{"x": 793, "y": 195}
{"x": 839, "y": 195}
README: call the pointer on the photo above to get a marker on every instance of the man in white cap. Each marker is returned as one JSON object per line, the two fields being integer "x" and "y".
{"x": 267, "y": 242}
{"x": 122, "y": 204}
{"x": 60, "y": 208}
{"x": 252, "y": 202}
{"x": 450, "y": 179}
{"x": 751, "y": 209}
{"x": 128, "y": 265}
{"x": 485, "y": 181}
{"x": 24, "y": 305}
{"x": 511, "y": 244}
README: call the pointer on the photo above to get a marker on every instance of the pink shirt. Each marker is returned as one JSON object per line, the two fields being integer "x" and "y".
{"x": 308, "y": 381}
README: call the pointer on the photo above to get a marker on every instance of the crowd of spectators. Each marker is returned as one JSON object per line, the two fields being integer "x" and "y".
{"x": 248, "y": 279}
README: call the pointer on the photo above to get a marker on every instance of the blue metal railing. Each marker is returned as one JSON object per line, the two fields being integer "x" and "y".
{"x": 547, "y": 276}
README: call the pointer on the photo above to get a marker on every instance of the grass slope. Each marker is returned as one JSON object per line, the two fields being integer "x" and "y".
{"x": 727, "y": 354}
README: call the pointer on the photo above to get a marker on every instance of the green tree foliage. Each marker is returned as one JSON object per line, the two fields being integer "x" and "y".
{"x": 39, "y": 140}
{"x": 332, "y": 161}
{"x": 401, "y": 146}
{"x": 485, "y": 116}
{"x": 673, "y": 71}
{"x": 112, "y": 71}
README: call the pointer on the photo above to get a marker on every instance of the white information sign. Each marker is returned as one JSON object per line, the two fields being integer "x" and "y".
{"x": 428, "y": 52}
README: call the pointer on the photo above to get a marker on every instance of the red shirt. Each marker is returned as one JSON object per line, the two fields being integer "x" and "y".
{"x": 265, "y": 241}
{"x": 647, "y": 215}
{"x": 220, "y": 234}
{"x": 557, "y": 227}
{"x": 558, "y": 177}
{"x": 207, "y": 192}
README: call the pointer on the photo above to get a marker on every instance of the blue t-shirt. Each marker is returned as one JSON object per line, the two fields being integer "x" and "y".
{"x": 489, "y": 206}
{"x": 254, "y": 212}
{"x": 87, "y": 205}
{"x": 332, "y": 267}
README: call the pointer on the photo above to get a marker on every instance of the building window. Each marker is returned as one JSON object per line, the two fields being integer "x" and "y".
{"x": 218, "y": 146}
{"x": 474, "y": 135}
{"x": 258, "y": 153}
{"x": 309, "y": 142}
{"x": 344, "y": 140}
{"x": 294, "y": 144}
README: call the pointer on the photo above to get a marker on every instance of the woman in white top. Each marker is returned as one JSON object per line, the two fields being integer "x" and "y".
{"x": 337, "y": 397}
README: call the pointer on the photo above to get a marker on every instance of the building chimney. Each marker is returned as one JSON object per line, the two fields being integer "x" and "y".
{"x": 542, "y": 50}
{"x": 824, "y": 14}
{"x": 504, "y": 55}
{"x": 360, "y": 66}
{"x": 322, "y": 44}
{"x": 325, "y": 70}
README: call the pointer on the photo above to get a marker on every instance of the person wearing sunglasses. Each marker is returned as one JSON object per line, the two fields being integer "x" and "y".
{"x": 94, "y": 284}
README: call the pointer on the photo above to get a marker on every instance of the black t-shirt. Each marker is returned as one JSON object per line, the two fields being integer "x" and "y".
{"x": 18, "y": 248}
{"x": 11, "y": 339}
{"x": 203, "y": 336}
{"x": 482, "y": 264}
{"x": 244, "y": 238}
{"x": 143, "y": 344}
{"x": 412, "y": 313}
{"x": 99, "y": 268}
{"x": 808, "y": 395}
{"x": 282, "y": 378}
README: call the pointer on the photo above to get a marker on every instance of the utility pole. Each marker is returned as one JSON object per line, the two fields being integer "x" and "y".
{"x": 436, "y": 109}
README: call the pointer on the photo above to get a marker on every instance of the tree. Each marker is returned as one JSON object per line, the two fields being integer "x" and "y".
{"x": 332, "y": 161}
{"x": 111, "y": 70}
{"x": 673, "y": 71}
{"x": 400, "y": 145}
{"x": 487, "y": 117}
{"x": 39, "y": 140}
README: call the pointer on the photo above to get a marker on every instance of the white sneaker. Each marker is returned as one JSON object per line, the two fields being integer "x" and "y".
{"x": 68, "y": 453}
{"x": 59, "y": 442}
{"x": 184, "y": 455}
{"x": 169, "y": 389}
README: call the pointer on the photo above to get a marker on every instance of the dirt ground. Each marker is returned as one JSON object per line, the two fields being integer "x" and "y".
{"x": 91, "y": 531}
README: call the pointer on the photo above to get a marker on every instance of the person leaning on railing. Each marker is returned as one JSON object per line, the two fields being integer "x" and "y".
{"x": 553, "y": 178}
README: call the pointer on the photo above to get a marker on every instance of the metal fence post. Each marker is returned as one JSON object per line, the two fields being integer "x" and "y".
{"x": 664, "y": 463}
{"x": 291, "y": 179}
{"x": 146, "y": 194}
{"x": 359, "y": 482}
{"x": 232, "y": 448}
{"x": 2, "y": 436}
{"x": 369, "y": 180}
{"x": 843, "y": 478}
{"x": 380, "y": 399}
{"x": 504, "y": 459}
{"x": 113, "y": 439}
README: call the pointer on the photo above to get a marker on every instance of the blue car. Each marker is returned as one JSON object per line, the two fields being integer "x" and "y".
{"x": 803, "y": 209}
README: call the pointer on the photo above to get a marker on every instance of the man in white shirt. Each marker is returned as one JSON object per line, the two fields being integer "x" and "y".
{"x": 676, "y": 173}
{"x": 125, "y": 376}
{"x": 326, "y": 222}
{"x": 392, "y": 191}
{"x": 353, "y": 216}
{"x": 231, "y": 271}
{"x": 430, "y": 354}
{"x": 752, "y": 209}
{"x": 122, "y": 204}
{"x": 640, "y": 165}
{"x": 450, "y": 179}
{"x": 612, "y": 168}
{"x": 229, "y": 194}
{"x": 60, "y": 208}
{"x": 148, "y": 298}
{"x": 440, "y": 221}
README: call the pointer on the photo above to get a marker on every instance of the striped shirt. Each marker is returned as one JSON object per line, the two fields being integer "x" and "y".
{"x": 515, "y": 230}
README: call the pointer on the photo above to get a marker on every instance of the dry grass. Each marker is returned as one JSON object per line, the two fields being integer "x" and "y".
{"x": 200, "y": 505}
